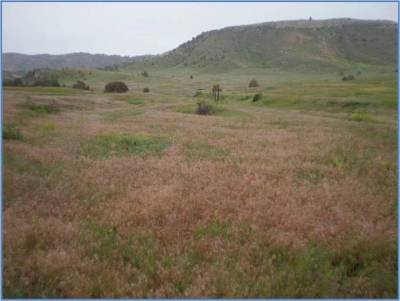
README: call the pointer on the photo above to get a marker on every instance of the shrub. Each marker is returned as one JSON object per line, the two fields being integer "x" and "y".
{"x": 80, "y": 85}
{"x": 198, "y": 93}
{"x": 15, "y": 82}
{"x": 348, "y": 77}
{"x": 11, "y": 132}
{"x": 257, "y": 97}
{"x": 116, "y": 87}
{"x": 46, "y": 83}
{"x": 191, "y": 77}
{"x": 253, "y": 83}
{"x": 204, "y": 108}
{"x": 146, "y": 90}
{"x": 145, "y": 74}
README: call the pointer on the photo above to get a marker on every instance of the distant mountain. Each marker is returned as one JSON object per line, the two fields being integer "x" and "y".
{"x": 287, "y": 44}
{"x": 25, "y": 62}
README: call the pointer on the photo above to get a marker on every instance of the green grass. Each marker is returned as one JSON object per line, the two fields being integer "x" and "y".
{"x": 11, "y": 132}
{"x": 204, "y": 151}
{"x": 218, "y": 110}
{"x": 41, "y": 108}
{"x": 104, "y": 146}
{"x": 361, "y": 117}
{"x": 366, "y": 95}
{"x": 54, "y": 91}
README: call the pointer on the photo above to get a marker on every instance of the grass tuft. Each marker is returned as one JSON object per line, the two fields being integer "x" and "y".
{"x": 122, "y": 144}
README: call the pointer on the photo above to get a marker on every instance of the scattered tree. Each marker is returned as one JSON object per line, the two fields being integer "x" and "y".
{"x": 116, "y": 87}
{"x": 216, "y": 90}
{"x": 348, "y": 77}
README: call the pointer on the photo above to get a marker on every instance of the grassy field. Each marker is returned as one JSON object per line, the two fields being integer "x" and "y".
{"x": 135, "y": 195}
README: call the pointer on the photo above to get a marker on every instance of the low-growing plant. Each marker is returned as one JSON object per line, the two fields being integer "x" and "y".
{"x": 361, "y": 117}
{"x": 11, "y": 132}
{"x": 204, "y": 108}
{"x": 42, "y": 108}
{"x": 146, "y": 90}
{"x": 253, "y": 83}
{"x": 145, "y": 73}
{"x": 257, "y": 97}
{"x": 123, "y": 144}
{"x": 198, "y": 93}
{"x": 116, "y": 87}
{"x": 80, "y": 85}
{"x": 348, "y": 77}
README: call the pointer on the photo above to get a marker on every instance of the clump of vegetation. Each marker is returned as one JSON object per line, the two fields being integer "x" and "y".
{"x": 42, "y": 108}
{"x": 46, "y": 83}
{"x": 15, "y": 82}
{"x": 122, "y": 144}
{"x": 204, "y": 108}
{"x": 116, "y": 87}
{"x": 191, "y": 76}
{"x": 361, "y": 117}
{"x": 145, "y": 73}
{"x": 257, "y": 97}
{"x": 253, "y": 83}
{"x": 198, "y": 93}
{"x": 348, "y": 77}
{"x": 146, "y": 90}
{"x": 80, "y": 85}
{"x": 11, "y": 132}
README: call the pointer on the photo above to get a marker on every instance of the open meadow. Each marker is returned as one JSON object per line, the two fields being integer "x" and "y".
{"x": 135, "y": 195}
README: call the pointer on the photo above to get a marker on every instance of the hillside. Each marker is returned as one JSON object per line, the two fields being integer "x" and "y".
{"x": 24, "y": 62}
{"x": 287, "y": 45}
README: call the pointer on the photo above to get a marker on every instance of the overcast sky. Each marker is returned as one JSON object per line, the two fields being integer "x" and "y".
{"x": 150, "y": 28}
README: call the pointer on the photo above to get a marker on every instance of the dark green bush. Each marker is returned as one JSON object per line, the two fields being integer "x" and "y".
{"x": 204, "y": 108}
{"x": 348, "y": 77}
{"x": 253, "y": 83}
{"x": 15, "y": 82}
{"x": 116, "y": 87}
{"x": 11, "y": 132}
{"x": 145, "y": 74}
{"x": 146, "y": 90}
{"x": 257, "y": 97}
{"x": 80, "y": 85}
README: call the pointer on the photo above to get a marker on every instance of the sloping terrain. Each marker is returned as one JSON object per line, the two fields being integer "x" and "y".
{"x": 287, "y": 44}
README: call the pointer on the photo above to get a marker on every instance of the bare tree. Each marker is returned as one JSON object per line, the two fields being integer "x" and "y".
{"x": 216, "y": 90}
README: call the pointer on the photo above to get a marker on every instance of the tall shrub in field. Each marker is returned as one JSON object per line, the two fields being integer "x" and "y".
{"x": 116, "y": 87}
{"x": 253, "y": 83}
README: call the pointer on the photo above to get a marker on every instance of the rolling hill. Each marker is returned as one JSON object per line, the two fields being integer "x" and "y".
{"x": 24, "y": 62}
{"x": 287, "y": 45}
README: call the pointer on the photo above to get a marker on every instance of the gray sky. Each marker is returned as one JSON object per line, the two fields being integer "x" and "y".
{"x": 150, "y": 28}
